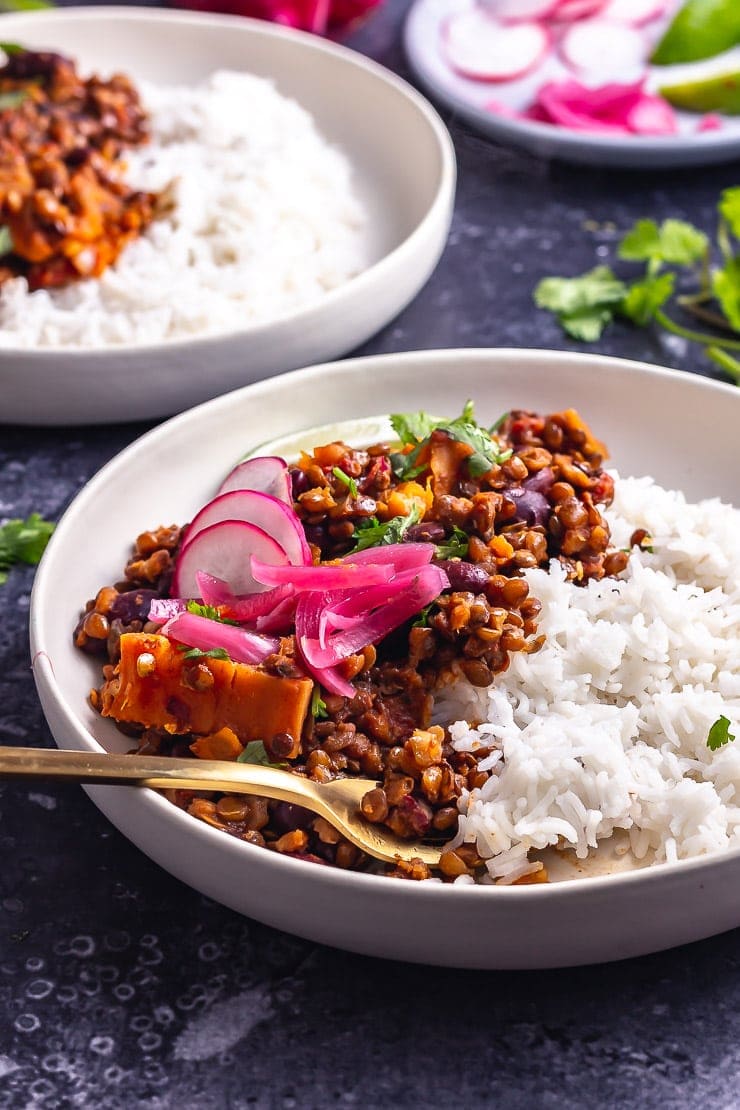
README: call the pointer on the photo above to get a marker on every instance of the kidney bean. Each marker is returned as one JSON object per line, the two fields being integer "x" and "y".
{"x": 463, "y": 575}
{"x": 132, "y": 606}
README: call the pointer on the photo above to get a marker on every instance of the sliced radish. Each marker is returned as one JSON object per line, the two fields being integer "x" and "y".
{"x": 604, "y": 48}
{"x": 568, "y": 11}
{"x": 520, "y": 11}
{"x": 266, "y": 474}
{"x": 652, "y": 116}
{"x": 224, "y": 549}
{"x": 635, "y": 12}
{"x": 484, "y": 50}
{"x": 272, "y": 516}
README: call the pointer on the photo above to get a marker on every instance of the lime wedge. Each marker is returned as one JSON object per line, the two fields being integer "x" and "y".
{"x": 720, "y": 93}
{"x": 701, "y": 29}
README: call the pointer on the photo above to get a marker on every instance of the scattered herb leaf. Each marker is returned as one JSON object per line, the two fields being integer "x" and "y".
{"x": 12, "y": 99}
{"x": 198, "y": 653}
{"x": 371, "y": 533}
{"x": 413, "y": 427}
{"x": 255, "y": 752}
{"x": 6, "y": 240}
{"x": 422, "y": 621}
{"x": 198, "y": 609}
{"x": 318, "y": 705}
{"x": 586, "y": 305}
{"x": 719, "y": 734}
{"x": 11, "y": 47}
{"x": 486, "y": 454}
{"x": 455, "y": 546}
{"x": 345, "y": 479}
{"x": 23, "y": 541}
{"x": 498, "y": 424}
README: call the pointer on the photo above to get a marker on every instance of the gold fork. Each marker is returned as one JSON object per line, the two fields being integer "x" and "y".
{"x": 337, "y": 801}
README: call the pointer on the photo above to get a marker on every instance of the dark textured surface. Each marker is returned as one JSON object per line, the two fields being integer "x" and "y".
{"x": 119, "y": 987}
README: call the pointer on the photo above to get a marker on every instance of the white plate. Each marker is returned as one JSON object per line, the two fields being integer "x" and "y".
{"x": 680, "y": 428}
{"x": 404, "y": 172}
{"x": 467, "y": 98}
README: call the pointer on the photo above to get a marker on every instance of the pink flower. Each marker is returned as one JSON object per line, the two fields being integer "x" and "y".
{"x": 323, "y": 17}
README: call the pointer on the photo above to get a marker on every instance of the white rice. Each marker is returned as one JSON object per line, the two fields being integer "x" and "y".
{"x": 605, "y": 728}
{"x": 265, "y": 222}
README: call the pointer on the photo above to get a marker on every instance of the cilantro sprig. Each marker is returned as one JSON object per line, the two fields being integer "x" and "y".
{"x": 198, "y": 653}
{"x": 198, "y": 609}
{"x": 318, "y": 705}
{"x": 455, "y": 546}
{"x": 345, "y": 480}
{"x": 669, "y": 251}
{"x": 719, "y": 734}
{"x": 23, "y": 541}
{"x": 371, "y": 533}
{"x": 414, "y": 430}
{"x": 255, "y": 752}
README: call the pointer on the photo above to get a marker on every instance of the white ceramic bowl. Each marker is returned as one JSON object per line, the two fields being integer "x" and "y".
{"x": 404, "y": 172}
{"x": 681, "y": 429}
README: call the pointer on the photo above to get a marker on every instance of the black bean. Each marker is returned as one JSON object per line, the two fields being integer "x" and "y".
{"x": 132, "y": 606}
{"x": 287, "y": 817}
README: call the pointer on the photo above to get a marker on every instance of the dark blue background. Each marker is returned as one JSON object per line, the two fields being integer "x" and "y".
{"x": 119, "y": 987}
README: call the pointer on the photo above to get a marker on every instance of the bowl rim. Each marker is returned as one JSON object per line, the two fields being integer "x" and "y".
{"x": 333, "y": 299}
{"x": 46, "y": 681}
{"x": 559, "y": 139}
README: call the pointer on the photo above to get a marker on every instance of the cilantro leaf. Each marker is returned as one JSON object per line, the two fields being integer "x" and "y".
{"x": 455, "y": 547}
{"x": 422, "y": 620}
{"x": 598, "y": 288}
{"x": 198, "y": 609}
{"x": 13, "y": 98}
{"x": 12, "y": 48}
{"x": 719, "y": 734}
{"x": 318, "y": 705}
{"x": 587, "y": 324}
{"x": 413, "y": 427}
{"x": 198, "y": 653}
{"x": 345, "y": 479}
{"x": 645, "y": 297}
{"x": 23, "y": 541}
{"x": 729, "y": 209}
{"x": 371, "y": 533}
{"x": 255, "y": 752}
{"x": 674, "y": 241}
{"x": 726, "y": 288}
{"x": 498, "y": 424}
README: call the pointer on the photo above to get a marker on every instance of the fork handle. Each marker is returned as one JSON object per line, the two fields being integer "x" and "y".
{"x": 157, "y": 772}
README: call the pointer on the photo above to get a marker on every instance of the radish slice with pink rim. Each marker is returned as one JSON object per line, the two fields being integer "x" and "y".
{"x": 635, "y": 12}
{"x": 604, "y": 48}
{"x": 224, "y": 550}
{"x": 569, "y": 11}
{"x": 268, "y": 513}
{"x": 480, "y": 48}
{"x": 200, "y": 632}
{"x": 265, "y": 474}
{"x": 520, "y": 11}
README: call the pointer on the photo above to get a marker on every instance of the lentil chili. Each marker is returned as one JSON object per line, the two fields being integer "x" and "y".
{"x": 541, "y": 501}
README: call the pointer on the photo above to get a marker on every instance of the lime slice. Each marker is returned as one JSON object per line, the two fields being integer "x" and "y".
{"x": 720, "y": 93}
{"x": 701, "y": 29}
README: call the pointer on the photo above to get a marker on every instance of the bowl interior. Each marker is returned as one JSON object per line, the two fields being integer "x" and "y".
{"x": 678, "y": 428}
{"x": 182, "y": 48}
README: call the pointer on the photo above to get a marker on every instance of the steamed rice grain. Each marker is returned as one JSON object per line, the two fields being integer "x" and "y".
{"x": 605, "y": 728}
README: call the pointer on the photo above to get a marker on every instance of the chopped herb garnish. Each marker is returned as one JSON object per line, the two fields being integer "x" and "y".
{"x": 198, "y": 653}
{"x": 255, "y": 752}
{"x": 498, "y": 424}
{"x": 12, "y": 47}
{"x": 12, "y": 99}
{"x": 587, "y": 304}
{"x": 345, "y": 479}
{"x": 486, "y": 452}
{"x": 198, "y": 609}
{"x": 455, "y": 546}
{"x": 371, "y": 533}
{"x": 6, "y": 240}
{"x": 318, "y": 705}
{"x": 719, "y": 734}
{"x": 422, "y": 621}
{"x": 23, "y": 541}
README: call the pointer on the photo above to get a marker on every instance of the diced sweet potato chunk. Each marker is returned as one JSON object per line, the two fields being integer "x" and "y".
{"x": 153, "y": 686}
